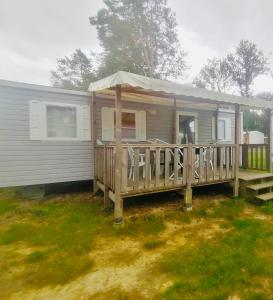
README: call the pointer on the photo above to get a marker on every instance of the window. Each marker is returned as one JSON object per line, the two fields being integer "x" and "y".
{"x": 221, "y": 129}
{"x": 61, "y": 121}
{"x": 128, "y": 124}
{"x": 133, "y": 124}
{"x": 187, "y": 127}
{"x": 224, "y": 129}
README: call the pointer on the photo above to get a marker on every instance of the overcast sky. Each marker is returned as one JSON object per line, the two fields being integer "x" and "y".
{"x": 34, "y": 33}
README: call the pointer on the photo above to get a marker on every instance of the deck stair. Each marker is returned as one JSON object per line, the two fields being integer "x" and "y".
{"x": 257, "y": 187}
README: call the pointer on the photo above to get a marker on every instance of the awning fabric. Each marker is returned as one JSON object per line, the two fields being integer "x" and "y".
{"x": 134, "y": 84}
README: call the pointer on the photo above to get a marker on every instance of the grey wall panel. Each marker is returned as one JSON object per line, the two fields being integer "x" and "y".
{"x": 26, "y": 162}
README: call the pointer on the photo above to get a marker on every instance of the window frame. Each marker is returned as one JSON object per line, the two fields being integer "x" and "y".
{"x": 136, "y": 122}
{"x": 190, "y": 114}
{"x": 227, "y": 121}
{"x": 58, "y": 104}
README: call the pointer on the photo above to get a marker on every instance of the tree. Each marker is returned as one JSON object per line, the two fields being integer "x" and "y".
{"x": 246, "y": 64}
{"x": 215, "y": 75}
{"x": 139, "y": 36}
{"x": 74, "y": 72}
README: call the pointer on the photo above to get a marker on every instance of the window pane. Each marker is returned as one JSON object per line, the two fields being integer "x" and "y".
{"x": 61, "y": 122}
{"x": 221, "y": 129}
{"x": 128, "y": 120}
{"x": 128, "y": 125}
{"x": 187, "y": 129}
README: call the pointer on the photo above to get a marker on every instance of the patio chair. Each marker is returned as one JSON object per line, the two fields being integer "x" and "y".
{"x": 131, "y": 153}
{"x": 206, "y": 161}
{"x": 180, "y": 164}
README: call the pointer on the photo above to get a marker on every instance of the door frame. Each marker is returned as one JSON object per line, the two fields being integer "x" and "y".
{"x": 186, "y": 113}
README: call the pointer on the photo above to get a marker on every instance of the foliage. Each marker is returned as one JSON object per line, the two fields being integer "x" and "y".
{"x": 253, "y": 120}
{"x": 221, "y": 267}
{"x": 74, "y": 72}
{"x": 246, "y": 64}
{"x": 215, "y": 75}
{"x": 139, "y": 36}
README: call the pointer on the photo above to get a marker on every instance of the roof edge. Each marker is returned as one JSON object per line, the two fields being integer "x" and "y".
{"x": 42, "y": 88}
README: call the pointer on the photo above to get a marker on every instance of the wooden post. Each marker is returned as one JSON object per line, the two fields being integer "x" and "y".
{"x": 188, "y": 191}
{"x": 269, "y": 146}
{"x": 93, "y": 139}
{"x": 174, "y": 121}
{"x": 237, "y": 150}
{"x": 118, "y": 200}
{"x": 106, "y": 198}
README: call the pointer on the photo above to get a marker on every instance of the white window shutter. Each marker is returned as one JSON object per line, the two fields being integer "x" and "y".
{"x": 141, "y": 125}
{"x": 107, "y": 124}
{"x": 37, "y": 120}
{"x": 85, "y": 123}
{"x": 228, "y": 130}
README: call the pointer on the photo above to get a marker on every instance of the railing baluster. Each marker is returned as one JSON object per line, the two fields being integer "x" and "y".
{"x": 157, "y": 167}
{"x": 227, "y": 162}
{"x": 176, "y": 166}
{"x": 167, "y": 166}
{"x": 147, "y": 168}
{"x": 201, "y": 164}
{"x": 221, "y": 163}
{"x": 136, "y": 169}
{"x": 124, "y": 174}
{"x": 184, "y": 160}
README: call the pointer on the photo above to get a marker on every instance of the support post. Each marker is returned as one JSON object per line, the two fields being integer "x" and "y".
{"x": 269, "y": 146}
{"x": 106, "y": 199}
{"x": 237, "y": 150}
{"x": 188, "y": 191}
{"x": 93, "y": 139}
{"x": 174, "y": 121}
{"x": 118, "y": 213}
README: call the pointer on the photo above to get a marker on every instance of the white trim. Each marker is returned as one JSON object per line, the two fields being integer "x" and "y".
{"x": 43, "y": 135}
{"x": 77, "y": 138}
{"x": 186, "y": 113}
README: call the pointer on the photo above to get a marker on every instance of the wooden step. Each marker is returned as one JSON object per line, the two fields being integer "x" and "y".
{"x": 265, "y": 197}
{"x": 260, "y": 186}
{"x": 250, "y": 177}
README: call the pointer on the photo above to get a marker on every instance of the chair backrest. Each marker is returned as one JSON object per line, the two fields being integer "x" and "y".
{"x": 131, "y": 154}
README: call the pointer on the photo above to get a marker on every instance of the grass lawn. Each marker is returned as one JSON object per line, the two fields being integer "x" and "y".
{"x": 65, "y": 247}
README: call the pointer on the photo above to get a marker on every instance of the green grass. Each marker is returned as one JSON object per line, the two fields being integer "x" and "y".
{"x": 66, "y": 231}
{"x": 267, "y": 208}
{"x": 222, "y": 267}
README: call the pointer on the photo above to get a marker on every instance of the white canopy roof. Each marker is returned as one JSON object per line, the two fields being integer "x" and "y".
{"x": 142, "y": 87}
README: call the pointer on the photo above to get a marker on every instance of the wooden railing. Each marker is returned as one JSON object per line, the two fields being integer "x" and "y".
{"x": 154, "y": 167}
{"x": 254, "y": 156}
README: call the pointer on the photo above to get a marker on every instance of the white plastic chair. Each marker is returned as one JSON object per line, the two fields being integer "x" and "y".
{"x": 131, "y": 153}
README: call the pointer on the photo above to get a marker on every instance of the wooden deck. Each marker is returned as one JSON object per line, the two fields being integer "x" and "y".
{"x": 156, "y": 168}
